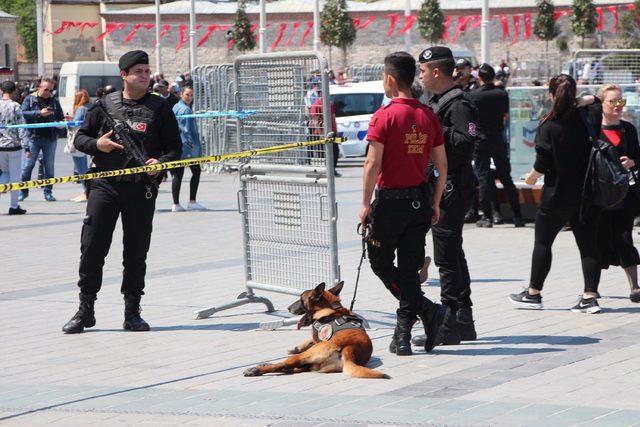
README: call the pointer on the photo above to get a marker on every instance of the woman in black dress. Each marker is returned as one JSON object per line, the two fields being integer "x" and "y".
{"x": 562, "y": 156}
{"x": 615, "y": 238}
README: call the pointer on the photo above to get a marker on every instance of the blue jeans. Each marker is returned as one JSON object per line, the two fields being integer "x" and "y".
{"x": 48, "y": 149}
{"x": 80, "y": 166}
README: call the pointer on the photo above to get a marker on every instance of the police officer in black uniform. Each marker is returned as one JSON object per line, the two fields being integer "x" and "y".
{"x": 463, "y": 75}
{"x": 458, "y": 117}
{"x": 493, "y": 110}
{"x": 132, "y": 196}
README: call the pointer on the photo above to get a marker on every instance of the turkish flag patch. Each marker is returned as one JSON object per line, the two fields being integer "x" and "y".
{"x": 140, "y": 127}
{"x": 373, "y": 121}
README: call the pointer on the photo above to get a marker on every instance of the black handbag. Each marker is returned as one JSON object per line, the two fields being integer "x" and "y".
{"x": 606, "y": 182}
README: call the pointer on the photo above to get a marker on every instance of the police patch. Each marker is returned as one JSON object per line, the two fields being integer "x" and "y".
{"x": 140, "y": 127}
{"x": 473, "y": 131}
{"x": 325, "y": 332}
{"x": 373, "y": 121}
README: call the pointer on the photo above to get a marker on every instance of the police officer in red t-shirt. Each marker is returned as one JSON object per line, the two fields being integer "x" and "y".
{"x": 403, "y": 137}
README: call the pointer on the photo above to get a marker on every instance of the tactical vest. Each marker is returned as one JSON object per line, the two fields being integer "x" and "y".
{"x": 324, "y": 330}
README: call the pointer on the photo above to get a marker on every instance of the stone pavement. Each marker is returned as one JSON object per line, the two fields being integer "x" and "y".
{"x": 552, "y": 367}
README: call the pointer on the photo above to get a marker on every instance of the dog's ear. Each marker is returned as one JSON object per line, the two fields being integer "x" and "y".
{"x": 337, "y": 288}
{"x": 318, "y": 291}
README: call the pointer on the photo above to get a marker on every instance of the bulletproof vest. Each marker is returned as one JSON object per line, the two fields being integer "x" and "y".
{"x": 140, "y": 117}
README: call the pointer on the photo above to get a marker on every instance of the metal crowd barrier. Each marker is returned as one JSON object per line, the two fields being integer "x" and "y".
{"x": 286, "y": 199}
{"x": 365, "y": 73}
{"x": 598, "y": 66}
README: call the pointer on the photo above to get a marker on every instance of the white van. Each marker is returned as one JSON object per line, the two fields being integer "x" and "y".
{"x": 354, "y": 104}
{"x": 87, "y": 75}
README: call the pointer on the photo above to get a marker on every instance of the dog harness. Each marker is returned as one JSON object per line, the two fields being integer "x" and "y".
{"x": 324, "y": 330}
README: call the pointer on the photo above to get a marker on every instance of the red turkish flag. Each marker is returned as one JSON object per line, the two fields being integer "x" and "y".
{"x": 205, "y": 37}
{"x": 393, "y": 21}
{"x": 528, "y": 29}
{"x": 614, "y": 12}
{"x": 296, "y": 27}
{"x": 516, "y": 28}
{"x": 600, "y": 26}
{"x": 281, "y": 30}
{"x": 408, "y": 23}
{"x": 445, "y": 31}
{"x": 366, "y": 23}
{"x": 306, "y": 33}
{"x": 110, "y": 28}
{"x": 505, "y": 26}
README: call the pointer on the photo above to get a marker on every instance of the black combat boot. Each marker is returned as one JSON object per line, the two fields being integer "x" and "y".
{"x": 437, "y": 320}
{"x": 132, "y": 319}
{"x": 450, "y": 333}
{"x": 84, "y": 318}
{"x": 401, "y": 341}
{"x": 465, "y": 324}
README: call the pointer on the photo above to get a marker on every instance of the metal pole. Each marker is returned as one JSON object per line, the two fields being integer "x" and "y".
{"x": 192, "y": 35}
{"x": 39, "y": 43}
{"x": 263, "y": 27}
{"x": 158, "y": 45}
{"x": 484, "y": 38}
{"x": 407, "y": 35}
{"x": 316, "y": 25}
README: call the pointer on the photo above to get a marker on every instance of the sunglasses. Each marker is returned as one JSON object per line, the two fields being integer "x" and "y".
{"x": 46, "y": 90}
{"x": 618, "y": 102}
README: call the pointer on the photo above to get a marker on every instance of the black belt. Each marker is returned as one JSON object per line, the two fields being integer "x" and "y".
{"x": 400, "y": 193}
{"x": 134, "y": 179}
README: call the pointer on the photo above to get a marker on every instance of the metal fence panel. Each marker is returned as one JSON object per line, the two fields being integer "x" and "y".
{"x": 598, "y": 66}
{"x": 287, "y": 200}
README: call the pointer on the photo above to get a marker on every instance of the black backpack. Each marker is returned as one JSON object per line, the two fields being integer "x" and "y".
{"x": 606, "y": 182}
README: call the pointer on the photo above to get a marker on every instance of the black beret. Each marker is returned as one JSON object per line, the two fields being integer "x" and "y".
{"x": 132, "y": 58}
{"x": 462, "y": 62}
{"x": 486, "y": 73}
{"x": 435, "y": 53}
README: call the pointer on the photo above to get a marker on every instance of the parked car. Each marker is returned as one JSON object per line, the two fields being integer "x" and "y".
{"x": 88, "y": 75}
{"x": 355, "y": 103}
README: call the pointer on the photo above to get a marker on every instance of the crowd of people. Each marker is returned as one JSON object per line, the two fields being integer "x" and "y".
{"x": 465, "y": 125}
{"x": 36, "y": 102}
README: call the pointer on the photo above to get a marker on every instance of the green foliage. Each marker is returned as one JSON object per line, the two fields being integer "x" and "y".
{"x": 337, "y": 28}
{"x": 431, "y": 20}
{"x": 562, "y": 44}
{"x": 25, "y": 10}
{"x": 242, "y": 35}
{"x": 584, "y": 18}
{"x": 630, "y": 27}
{"x": 545, "y": 27}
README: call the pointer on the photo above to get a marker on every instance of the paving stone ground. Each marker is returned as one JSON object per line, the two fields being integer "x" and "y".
{"x": 551, "y": 367}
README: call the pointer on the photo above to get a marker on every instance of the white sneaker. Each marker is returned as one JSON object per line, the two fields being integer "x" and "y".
{"x": 195, "y": 206}
{"x": 177, "y": 208}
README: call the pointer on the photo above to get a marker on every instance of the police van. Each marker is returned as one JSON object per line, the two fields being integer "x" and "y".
{"x": 355, "y": 103}
{"x": 87, "y": 75}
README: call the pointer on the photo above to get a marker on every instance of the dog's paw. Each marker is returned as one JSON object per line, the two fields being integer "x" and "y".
{"x": 252, "y": 372}
{"x": 294, "y": 350}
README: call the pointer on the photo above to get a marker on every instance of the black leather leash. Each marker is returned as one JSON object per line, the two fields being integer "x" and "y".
{"x": 364, "y": 231}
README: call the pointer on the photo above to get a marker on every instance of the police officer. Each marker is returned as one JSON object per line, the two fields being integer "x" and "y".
{"x": 403, "y": 136}
{"x": 458, "y": 117}
{"x": 493, "y": 110}
{"x": 463, "y": 75}
{"x": 133, "y": 196}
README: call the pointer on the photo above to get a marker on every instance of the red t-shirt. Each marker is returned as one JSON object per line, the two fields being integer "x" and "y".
{"x": 317, "y": 117}
{"x": 408, "y": 129}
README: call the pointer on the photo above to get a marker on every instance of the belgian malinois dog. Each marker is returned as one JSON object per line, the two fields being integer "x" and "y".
{"x": 339, "y": 344}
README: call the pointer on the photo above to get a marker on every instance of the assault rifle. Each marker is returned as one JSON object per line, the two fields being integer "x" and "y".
{"x": 123, "y": 135}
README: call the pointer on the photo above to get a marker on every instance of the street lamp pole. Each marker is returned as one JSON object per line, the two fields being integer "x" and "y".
{"x": 484, "y": 38}
{"x": 158, "y": 45}
{"x": 316, "y": 25}
{"x": 192, "y": 35}
{"x": 39, "y": 44}
{"x": 263, "y": 27}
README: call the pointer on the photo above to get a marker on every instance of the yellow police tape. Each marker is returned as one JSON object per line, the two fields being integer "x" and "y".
{"x": 168, "y": 165}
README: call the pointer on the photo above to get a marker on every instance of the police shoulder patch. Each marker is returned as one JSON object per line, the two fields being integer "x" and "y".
{"x": 373, "y": 121}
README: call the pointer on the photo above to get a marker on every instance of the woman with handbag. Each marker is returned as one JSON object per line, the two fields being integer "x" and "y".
{"x": 615, "y": 232}
{"x": 563, "y": 149}
{"x": 80, "y": 162}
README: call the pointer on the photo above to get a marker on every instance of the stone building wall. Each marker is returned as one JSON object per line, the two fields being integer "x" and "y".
{"x": 371, "y": 45}
{"x": 8, "y": 42}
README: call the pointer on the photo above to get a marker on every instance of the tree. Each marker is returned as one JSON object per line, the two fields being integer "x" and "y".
{"x": 431, "y": 20}
{"x": 584, "y": 18}
{"x": 25, "y": 10}
{"x": 630, "y": 27}
{"x": 545, "y": 27}
{"x": 337, "y": 28}
{"x": 243, "y": 37}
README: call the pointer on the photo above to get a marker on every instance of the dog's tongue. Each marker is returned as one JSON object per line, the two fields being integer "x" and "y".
{"x": 301, "y": 321}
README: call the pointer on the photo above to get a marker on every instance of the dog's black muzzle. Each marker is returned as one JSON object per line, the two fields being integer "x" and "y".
{"x": 297, "y": 308}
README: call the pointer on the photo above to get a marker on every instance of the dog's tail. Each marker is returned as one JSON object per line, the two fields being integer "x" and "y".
{"x": 354, "y": 370}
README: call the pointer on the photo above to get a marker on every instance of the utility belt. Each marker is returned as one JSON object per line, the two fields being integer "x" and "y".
{"x": 412, "y": 193}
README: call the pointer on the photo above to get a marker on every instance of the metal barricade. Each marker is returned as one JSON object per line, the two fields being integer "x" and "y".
{"x": 287, "y": 200}
{"x": 365, "y": 73}
{"x": 213, "y": 91}
{"x": 598, "y": 66}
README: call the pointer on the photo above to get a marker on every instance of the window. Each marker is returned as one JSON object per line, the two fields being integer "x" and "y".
{"x": 92, "y": 83}
{"x": 355, "y": 104}
{"x": 115, "y": 81}
{"x": 7, "y": 56}
{"x": 62, "y": 87}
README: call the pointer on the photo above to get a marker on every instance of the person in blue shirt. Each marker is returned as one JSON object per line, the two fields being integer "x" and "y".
{"x": 190, "y": 148}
